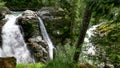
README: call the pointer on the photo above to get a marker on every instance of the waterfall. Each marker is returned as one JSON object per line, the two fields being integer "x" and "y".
{"x": 46, "y": 38}
{"x": 2, "y": 54}
{"x": 91, "y": 49}
{"x": 88, "y": 49}
{"x": 13, "y": 43}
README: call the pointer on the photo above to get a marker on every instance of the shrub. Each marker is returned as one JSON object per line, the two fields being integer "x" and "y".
{"x": 63, "y": 57}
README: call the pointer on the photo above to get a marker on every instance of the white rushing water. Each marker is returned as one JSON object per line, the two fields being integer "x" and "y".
{"x": 2, "y": 54}
{"x": 91, "y": 48}
{"x": 46, "y": 38}
{"x": 13, "y": 43}
{"x": 88, "y": 48}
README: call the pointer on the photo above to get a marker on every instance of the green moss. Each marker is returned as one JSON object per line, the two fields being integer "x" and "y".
{"x": 37, "y": 65}
{"x": 107, "y": 32}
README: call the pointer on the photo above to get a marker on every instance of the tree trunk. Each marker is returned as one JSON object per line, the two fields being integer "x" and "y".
{"x": 83, "y": 29}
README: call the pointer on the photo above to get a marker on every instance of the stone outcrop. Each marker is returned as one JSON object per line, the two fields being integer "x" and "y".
{"x": 7, "y": 62}
{"x": 53, "y": 16}
{"x": 38, "y": 47}
{"x": 50, "y": 12}
{"x": 29, "y": 23}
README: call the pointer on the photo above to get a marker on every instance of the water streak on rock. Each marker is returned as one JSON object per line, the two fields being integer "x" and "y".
{"x": 46, "y": 38}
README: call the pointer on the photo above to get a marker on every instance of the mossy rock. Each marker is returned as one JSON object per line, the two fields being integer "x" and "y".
{"x": 30, "y": 28}
{"x": 3, "y": 12}
{"x": 29, "y": 24}
{"x": 39, "y": 49}
{"x": 108, "y": 33}
{"x": 58, "y": 27}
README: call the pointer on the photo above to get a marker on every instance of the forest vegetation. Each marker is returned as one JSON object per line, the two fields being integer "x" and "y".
{"x": 78, "y": 17}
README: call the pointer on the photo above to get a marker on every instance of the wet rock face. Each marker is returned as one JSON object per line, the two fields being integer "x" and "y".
{"x": 8, "y": 62}
{"x": 39, "y": 48}
{"x": 29, "y": 23}
{"x": 29, "y": 26}
{"x": 50, "y": 12}
{"x": 29, "y": 14}
{"x": 56, "y": 24}
{"x": 51, "y": 17}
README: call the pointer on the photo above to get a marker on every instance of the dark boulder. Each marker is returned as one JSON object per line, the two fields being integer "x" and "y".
{"x": 39, "y": 49}
{"x": 7, "y": 62}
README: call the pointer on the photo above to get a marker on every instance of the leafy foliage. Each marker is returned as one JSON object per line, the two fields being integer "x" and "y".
{"x": 74, "y": 10}
{"x": 107, "y": 36}
{"x": 2, "y": 4}
{"x": 63, "y": 57}
{"x": 28, "y": 4}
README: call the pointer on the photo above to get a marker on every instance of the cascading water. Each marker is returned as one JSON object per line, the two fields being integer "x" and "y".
{"x": 88, "y": 49}
{"x": 13, "y": 43}
{"x": 46, "y": 38}
{"x": 2, "y": 54}
{"x": 91, "y": 50}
